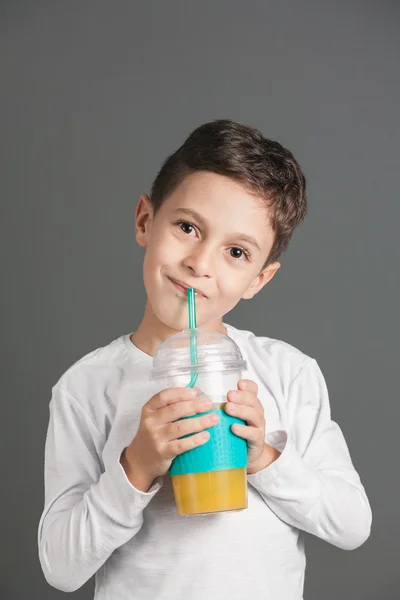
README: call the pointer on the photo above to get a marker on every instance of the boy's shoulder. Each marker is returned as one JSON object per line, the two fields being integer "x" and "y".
{"x": 275, "y": 352}
{"x": 101, "y": 364}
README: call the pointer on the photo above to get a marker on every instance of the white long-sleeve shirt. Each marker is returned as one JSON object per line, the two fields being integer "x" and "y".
{"x": 96, "y": 522}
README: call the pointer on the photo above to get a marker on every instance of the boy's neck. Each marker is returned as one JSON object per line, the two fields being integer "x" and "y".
{"x": 152, "y": 332}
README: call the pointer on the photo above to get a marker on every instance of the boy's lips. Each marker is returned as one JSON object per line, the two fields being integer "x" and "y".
{"x": 183, "y": 287}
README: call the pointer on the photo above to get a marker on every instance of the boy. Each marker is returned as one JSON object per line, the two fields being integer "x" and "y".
{"x": 221, "y": 211}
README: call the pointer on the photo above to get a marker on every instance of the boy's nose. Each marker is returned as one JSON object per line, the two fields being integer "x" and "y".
{"x": 200, "y": 262}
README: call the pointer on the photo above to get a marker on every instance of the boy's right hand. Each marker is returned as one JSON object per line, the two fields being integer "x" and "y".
{"x": 158, "y": 442}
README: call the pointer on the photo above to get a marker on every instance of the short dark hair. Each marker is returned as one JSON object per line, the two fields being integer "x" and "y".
{"x": 262, "y": 166}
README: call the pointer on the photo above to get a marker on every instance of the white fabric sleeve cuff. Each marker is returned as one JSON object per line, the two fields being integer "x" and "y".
{"x": 125, "y": 502}
{"x": 288, "y": 480}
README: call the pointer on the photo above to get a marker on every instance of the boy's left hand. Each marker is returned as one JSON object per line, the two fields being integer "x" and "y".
{"x": 245, "y": 405}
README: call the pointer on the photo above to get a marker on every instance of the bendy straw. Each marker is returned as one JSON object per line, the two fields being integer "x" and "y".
{"x": 193, "y": 335}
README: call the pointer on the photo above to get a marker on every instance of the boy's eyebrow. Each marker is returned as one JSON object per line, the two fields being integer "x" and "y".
{"x": 195, "y": 215}
{"x": 248, "y": 239}
{"x": 191, "y": 213}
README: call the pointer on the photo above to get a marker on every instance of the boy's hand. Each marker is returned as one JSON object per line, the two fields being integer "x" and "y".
{"x": 157, "y": 442}
{"x": 245, "y": 405}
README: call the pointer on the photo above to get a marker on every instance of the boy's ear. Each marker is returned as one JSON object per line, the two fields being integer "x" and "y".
{"x": 143, "y": 219}
{"x": 262, "y": 279}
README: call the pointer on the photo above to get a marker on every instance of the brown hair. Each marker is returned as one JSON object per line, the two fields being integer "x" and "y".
{"x": 262, "y": 166}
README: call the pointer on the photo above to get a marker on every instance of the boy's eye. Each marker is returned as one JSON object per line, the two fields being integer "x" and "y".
{"x": 235, "y": 252}
{"x": 238, "y": 253}
{"x": 186, "y": 227}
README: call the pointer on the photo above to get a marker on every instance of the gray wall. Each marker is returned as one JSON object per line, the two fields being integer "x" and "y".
{"x": 95, "y": 94}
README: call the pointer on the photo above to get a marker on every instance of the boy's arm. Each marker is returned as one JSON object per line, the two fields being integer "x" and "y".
{"x": 89, "y": 511}
{"x": 313, "y": 485}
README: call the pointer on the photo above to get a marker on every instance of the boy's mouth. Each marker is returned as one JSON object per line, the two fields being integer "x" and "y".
{"x": 183, "y": 288}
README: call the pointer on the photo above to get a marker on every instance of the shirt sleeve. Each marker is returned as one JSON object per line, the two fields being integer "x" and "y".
{"x": 89, "y": 511}
{"x": 313, "y": 484}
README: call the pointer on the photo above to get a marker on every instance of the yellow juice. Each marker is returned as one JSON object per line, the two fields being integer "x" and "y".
{"x": 214, "y": 491}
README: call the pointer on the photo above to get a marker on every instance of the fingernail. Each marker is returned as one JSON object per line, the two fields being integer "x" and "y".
{"x": 234, "y": 395}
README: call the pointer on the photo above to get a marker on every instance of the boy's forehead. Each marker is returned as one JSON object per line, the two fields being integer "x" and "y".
{"x": 218, "y": 197}
{"x": 201, "y": 181}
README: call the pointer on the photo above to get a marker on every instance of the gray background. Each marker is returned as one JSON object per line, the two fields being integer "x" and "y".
{"x": 95, "y": 94}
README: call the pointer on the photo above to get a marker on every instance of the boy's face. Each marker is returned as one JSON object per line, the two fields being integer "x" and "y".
{"x": 210, "y": 234}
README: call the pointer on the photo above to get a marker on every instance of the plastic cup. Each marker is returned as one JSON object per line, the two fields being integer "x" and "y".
{"x": 211, "y": 478}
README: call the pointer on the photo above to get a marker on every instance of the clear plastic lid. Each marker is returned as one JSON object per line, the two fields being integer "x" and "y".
{"x": 215, "y": 352}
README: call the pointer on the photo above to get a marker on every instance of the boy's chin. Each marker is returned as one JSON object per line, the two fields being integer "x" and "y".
{"x": 177, "y": 325}
{"x": 179, "y": 320}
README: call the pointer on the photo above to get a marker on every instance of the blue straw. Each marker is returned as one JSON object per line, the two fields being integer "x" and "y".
{"x": 193, "y": 337}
